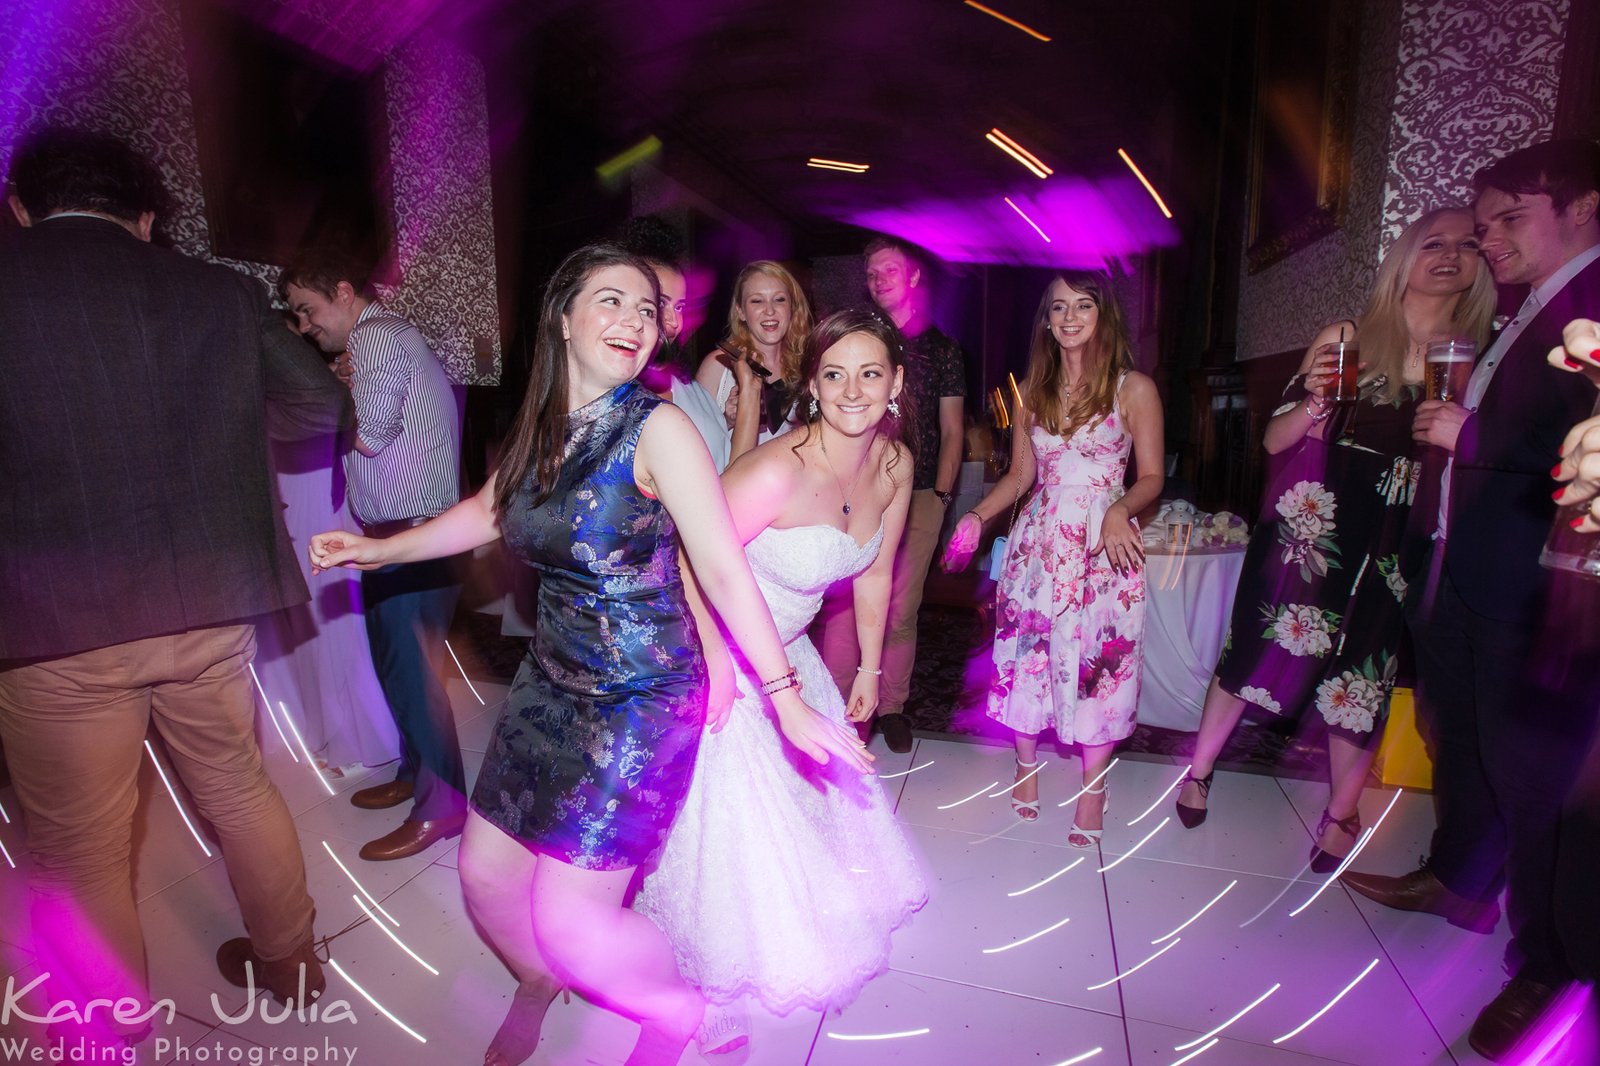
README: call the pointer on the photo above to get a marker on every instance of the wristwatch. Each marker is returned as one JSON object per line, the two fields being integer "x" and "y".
{"x": 944, "y": 497}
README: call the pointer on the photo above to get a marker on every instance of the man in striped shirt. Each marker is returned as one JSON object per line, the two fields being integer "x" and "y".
{"x": 402, "y": 469}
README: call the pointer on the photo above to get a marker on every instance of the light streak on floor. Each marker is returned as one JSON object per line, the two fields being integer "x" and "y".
{"x": 271, "y": 714}
{"x": 369, "y": 998}
{"x": 1164, "y": 794}
{"x": 1129, "y": 973}
{"x": 1350, "y": 858}
{"x": 1114, "y": 863}
{"x": 176, "y": 802}
{"x": 1027, "y": 939}
{"x": 358, "y": 884}
{"x": 391, "y": 935}
{"x": 1197, "y": 913}
{"x": 464, "y": 676}
{"x": 302, "y": 742}
{"x": 1297, "y": 1030}
{"x": 1047, "y": 880}
{"x": 1262, "y": 998}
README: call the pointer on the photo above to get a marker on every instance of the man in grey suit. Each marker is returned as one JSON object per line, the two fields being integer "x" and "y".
{"x": 139, "y": 530}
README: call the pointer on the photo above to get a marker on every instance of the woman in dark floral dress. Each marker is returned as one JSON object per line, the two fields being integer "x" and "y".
{"x": 594, "y": 751}
{"x": 1317, "y": 619}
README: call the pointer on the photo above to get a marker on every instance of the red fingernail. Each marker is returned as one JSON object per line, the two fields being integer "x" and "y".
{"x": 1573, "y": 363}
{"x": 1556, "y": 495}
{"x": 1576, "y": 522}
{"x": 1555, "y": 471}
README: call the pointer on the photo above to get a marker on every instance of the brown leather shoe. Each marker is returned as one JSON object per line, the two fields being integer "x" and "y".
{"x": 382, "y": 797}
{"x": 1420, "y": 890}
{"x": 1508, "y": 1018}
{"x": 295, "y": 980}
{"x": 411, "y": 838}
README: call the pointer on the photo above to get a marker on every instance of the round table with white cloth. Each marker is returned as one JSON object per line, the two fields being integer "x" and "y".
{"x": 1189, "y": 599}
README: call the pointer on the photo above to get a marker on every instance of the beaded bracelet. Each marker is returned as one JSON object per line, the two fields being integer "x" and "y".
{"x": 868, "y": 670}
{"x": 1327, "y": 409}
{"x": 778, "y": 684}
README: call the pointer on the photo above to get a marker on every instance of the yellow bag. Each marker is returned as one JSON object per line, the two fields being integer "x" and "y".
{"x": 1402, "y": 759}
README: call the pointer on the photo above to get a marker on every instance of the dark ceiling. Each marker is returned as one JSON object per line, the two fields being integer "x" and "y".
{"x": 751, "y": 90}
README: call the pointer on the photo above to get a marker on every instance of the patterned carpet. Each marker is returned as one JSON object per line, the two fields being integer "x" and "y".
{"x": 948, "y": 688}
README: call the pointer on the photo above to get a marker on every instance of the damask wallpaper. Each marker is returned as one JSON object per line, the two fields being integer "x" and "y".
{"x": 1445, "y": 86}
{"x": 118, "y": 65}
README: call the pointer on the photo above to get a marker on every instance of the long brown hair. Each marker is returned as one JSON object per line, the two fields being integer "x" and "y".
{"x": 539, "y": 435}
{"x": 1105, "y": 358}
{"x": 794, "y": 341}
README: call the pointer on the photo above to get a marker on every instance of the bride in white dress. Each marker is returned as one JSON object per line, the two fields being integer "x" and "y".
{"x": 782, "y": 881}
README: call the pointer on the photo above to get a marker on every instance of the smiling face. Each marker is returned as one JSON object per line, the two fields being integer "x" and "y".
{"x": 1073, "y": 316}
{"x": 890, "y": 279}
{"x": 325, "y": 321}
{"x": 854, "y": 384}
{"x": 1524, "y": 239}
{"x": 1447, "y": 256}
{"x": 611, "y": 330}
{"x": 765, "y": 308}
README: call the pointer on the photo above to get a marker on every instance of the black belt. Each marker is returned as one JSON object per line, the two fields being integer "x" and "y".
{"x": 389, "y": 529}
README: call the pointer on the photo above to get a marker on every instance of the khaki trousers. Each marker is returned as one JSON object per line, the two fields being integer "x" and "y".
{"x": 836, "y": 626}
{"x": 74, "y": 731}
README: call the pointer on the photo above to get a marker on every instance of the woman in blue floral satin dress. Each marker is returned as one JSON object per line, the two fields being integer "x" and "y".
{"x": 1070, "y": 611}
{"x": 595, "y": 749}
{"x": 1317, "y": 617}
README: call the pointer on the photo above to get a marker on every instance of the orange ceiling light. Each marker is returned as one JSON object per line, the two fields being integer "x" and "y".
{"x": 837, "y": 164}
{"x": 1151, "y": 189}
{"x": 1008, "y": 20}
{"x": 1011, "y": 148}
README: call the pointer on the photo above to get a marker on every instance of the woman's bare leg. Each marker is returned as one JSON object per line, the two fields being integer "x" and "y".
{"x": 1348, "y": 766}
{"x": 497, "y": 879}
{"x": 614, "y": 956}
{"x": 1218, "y": 719}
{"x": 1091, "y": 809}
{"x": 1027, "y": 752}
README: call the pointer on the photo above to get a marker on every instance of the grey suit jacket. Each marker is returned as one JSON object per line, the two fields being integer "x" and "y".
{"x": 136, "y": 391}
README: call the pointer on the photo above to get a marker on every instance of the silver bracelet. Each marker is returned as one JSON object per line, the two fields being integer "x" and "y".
{"x": 778, "y": 684}
{"x": 865, "y": 670}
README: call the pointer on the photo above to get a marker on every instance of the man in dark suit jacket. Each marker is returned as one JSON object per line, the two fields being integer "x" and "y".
{"x": 139, "y": 529}
{"x": 1508, "y": 661}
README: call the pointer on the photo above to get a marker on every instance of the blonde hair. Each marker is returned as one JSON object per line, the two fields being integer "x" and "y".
{"x": 1384, "y": 336}
{"x": 794, "y": 341}
{"x": 1105, "y": 358}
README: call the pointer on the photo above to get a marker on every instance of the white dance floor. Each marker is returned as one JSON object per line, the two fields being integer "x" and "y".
{"x": 1212, "y": 946}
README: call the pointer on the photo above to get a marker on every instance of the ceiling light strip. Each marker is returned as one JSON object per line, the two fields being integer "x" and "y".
{"x": 1008, "y": 20}
{"x": 1151, "y": 189}
{"x": 837, "y": 164}
{"x": 1028, "y": 220}
{"x": 1017, "y": 152}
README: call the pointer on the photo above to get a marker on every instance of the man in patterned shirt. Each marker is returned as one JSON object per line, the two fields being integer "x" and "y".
{"x": 935, "y": 381}
{"x": 401, "y": 470}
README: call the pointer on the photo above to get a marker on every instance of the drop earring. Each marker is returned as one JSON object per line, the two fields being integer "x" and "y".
{"x": 894, "y": 407}
{"x": 815, "y": 409}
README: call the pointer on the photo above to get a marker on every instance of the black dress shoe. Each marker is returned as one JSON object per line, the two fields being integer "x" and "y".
{"x": 1508, "y": 1018}
{"x": 382, "y": 797}
{"x": 1420, "y": 890}
{"x": 896, "y": 732}
{"x": 1325, "y": 862}
{"x": 411, "y": 838}
{"x": 1193, "y": 816}
{"x": 296, "y": 980}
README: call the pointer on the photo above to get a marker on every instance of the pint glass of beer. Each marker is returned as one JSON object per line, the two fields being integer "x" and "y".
{"x": 1448, "y": 367}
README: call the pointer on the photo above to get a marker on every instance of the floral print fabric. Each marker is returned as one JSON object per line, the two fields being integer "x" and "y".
{"x": 1068, "y": 626}
{"x": 1317, "y": 619}
{"x": 592, "y": 757}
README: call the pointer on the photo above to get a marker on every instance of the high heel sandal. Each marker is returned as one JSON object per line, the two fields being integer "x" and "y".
{"x": 1027, "y": 810}
{"x": 514, "y": 1042}
{"x": 1193, "y": 816}
{"x": 1325, "y": 862}
{"x": 1091, "y": 837}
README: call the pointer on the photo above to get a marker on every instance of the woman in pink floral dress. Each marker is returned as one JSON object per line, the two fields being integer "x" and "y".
{"x": 1317, "y": 618}
{"x": 1070, "y": 615}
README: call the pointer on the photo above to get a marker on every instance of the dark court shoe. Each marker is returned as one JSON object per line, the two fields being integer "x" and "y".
{"x": 411, "y": 838}
{"x": 296, "y": 980}
{"x": 1193, "y": 816}
{"x": 896, "y": 732}
{"x": 1420, "y": 890}
{"x": 1325, "y": 862}
{"x": 382, "y": 797}
{"x": 1508, "y": 1018}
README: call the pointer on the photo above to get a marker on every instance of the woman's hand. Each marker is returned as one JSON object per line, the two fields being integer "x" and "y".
{"x": 339, "y": 548}
{"x": 1120, "y": 541}
{"x": 1580, "y": 468}
{"x": 1579, "y": 351}
{"x": 817, "y": 736}
{"x": 863, "y": 697}
{"x": 1323, "y": 373}
{"x": 963, "y": 542}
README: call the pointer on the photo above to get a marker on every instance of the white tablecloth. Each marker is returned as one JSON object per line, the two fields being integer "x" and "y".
{"x": 1189, "y": 600}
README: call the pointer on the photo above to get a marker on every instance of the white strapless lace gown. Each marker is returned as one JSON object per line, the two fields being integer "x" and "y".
{"x": 780, "y": 879}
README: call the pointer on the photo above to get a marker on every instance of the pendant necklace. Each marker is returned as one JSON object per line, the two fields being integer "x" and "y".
{"x": 822, "y": 441}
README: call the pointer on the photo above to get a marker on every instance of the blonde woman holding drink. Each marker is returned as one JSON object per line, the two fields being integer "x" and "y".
{"x": 1317, "y": 619}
